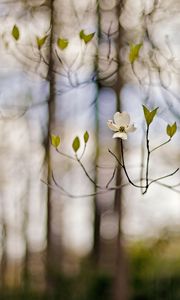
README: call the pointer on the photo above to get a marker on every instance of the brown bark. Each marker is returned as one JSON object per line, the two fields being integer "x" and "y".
{"x": 120, "y": 288}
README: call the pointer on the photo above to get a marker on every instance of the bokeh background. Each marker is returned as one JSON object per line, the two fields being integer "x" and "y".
{"x": 70, "y": 240}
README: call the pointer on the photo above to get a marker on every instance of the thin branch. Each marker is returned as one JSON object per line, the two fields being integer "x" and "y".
{"x": 65, "y": 155}
{"x": 58, "y": 187}
{"x": 161, "y": 145}
{"x": 168, "y": 187}
{"x": 142, "y": 164}
{"x": 175, "y": 185}
{"x": 87, "y": 174}
{"x": 124, "y": 167}
{"x": 163, "y": 177}
{"x": 148, "y": 159}
{"x": 112, "y": 177}
{"x": 122, "y": 164}
{"x": 77, "y": 159}
{"x": 83, "y": 152}
{"x": 47, "y": 64}
{"x": 125, "y": 170}
{"x": 116, "y": 158}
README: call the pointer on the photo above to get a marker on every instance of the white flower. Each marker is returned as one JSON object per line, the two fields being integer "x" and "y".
{"x": 121, "y": 125}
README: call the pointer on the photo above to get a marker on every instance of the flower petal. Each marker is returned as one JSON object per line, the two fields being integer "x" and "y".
{"x": 112, "y": 126}
{"x": 130, "y": 128}
{"x": 121, "y": 119}
{"x": 121, "y": 135}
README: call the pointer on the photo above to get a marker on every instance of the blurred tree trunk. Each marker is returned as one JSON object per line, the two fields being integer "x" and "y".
{"x": 51, "y": 104}
{"x": 120, "y": 263}
{"x": 97, "y": 213}
{"x": 51, "y": 257}
{"x": 121, "y": 289}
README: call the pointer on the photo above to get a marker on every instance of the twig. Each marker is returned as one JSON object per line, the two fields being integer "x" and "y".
{"x": 83, "y": 152}
{"x": 65, "y": 155}
{"x": 147, "y": 161}
{"x": 163, "y": 177}
{"x": 58, "y": 187}
{"x": 115, "y": 157}
{"x": 125, "y": 170}
{"x": 124, "y": 167}
{"x": 112, "y": 177}
{"x": 89, "y": 177}
{"x": 161, "y": 145}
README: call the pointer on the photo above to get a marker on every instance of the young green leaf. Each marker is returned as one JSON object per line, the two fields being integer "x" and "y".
{"x": 86, "y": 137}
{"x": 86, "y": 37}
{"x": 55, "y": 140}
{"x": 15, "y": 33}
{"x": 41, "y": 41}
{"x": 62, "y": 43}
{"x": 149, "y": 115}
{"x": 76, "y": 144}
{"x": 171, "y": 130}
{"x": 146, "y": 113}
{"x": 134, "y": 52}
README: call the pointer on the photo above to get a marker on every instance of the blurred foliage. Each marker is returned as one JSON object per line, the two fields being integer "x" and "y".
{"x": 88, "y": 285}
{"x": 154, "y": 271}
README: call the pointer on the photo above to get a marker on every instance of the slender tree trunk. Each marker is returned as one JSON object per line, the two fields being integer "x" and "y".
{"x": 120, "y": 287}
{"x": 97, "y": 214}
{"x": 120, "y": 291}
{"x": 51, "y": 107}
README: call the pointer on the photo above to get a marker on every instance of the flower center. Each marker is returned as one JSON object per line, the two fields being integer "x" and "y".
{"x": 121, "y": 129}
